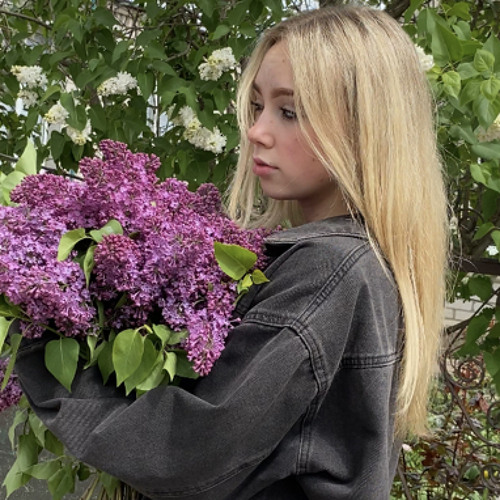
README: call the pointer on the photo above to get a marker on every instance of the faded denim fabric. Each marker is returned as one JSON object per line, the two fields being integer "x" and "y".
{"x": 299, "y": 406}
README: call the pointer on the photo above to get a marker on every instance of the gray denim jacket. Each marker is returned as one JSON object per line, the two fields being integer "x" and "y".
{"x": 299, "y": 406}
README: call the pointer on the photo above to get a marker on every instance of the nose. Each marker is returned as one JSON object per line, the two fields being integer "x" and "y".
{"x": 260, "y": 133}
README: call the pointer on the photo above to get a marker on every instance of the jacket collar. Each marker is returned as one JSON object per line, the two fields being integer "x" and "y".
{"x": 344, "y": 225}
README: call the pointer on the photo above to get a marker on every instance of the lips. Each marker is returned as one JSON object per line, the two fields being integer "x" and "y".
{"x": 261, "y": 168}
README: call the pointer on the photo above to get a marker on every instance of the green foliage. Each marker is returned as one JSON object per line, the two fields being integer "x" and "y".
{"x": 465, "y": 81}
{"x": 81, "y": 45}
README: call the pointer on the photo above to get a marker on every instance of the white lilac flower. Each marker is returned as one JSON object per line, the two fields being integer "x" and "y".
{"x": 492, "y": 133}
{"x": 199, "y": 136}
{"x": 219, "y": 61}
{"x": 57, "y": 114}
{"x": 29, "y": 76}
{"x": 79, "y": 137}
{"x": 28, "y": 97}
{"x": 117, "y": 85}
{"x": 69, "y": 85}
{"x": 426, "y": 60}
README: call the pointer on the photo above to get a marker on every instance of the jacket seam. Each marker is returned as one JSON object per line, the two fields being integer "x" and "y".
{"x": 209, "y": 485}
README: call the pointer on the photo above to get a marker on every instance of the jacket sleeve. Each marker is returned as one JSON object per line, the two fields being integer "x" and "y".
{"x": 170, "y": 442}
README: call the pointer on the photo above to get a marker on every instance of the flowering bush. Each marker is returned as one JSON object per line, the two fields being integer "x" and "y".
{"x": 124, "y": 65}
{"x": 121, "y": 259}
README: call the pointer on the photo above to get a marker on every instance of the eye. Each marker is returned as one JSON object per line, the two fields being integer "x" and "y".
{"x": 288, "y": 114}
{"x": 257, "y": 107}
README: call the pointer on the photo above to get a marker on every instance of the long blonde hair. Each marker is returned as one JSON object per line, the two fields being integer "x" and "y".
{"x": 359, "y": 86}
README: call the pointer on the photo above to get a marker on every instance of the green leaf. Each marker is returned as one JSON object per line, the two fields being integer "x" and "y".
{"x": 485, "y": 110}
{"x": 62, "y": 482}
{"x": 15, "y": 341}
{"x": 234, "y": 260}
{"x": 146, "y": 83}
{"x": 14, "y": 479}
{"x": 258, "y": 277}
{"x": 168, "y": 336}
{"x": 61, "y": 359}
{"x": 466, "y": 71}
{"x": 57, "y": 143}
{"x": 27, "y": 162}
{"x": 149, "y": 357}
{"x": 220, "y": 31}
{"x": 4, "y": 329}
{"x": 37, "y": 427}
{"x": 112, "y": 227}
{"x": 10, "y": 182}
{"x": 487, "y": 150}
{"x": 495, "y": 236}
{"x": 27, "y": 451}
{"x": 452, "y": 83}
{"x": 53, "y": 89}
{"x": 492, "y": 362}
{"x": 88, "y": 263}
{"x": 184, "y": 367}
{"x": 470, "y": 92}
{"x": 460, "y": 9}
{"x": 170, "y": 364}
{"x": 492, "y": 45}
{"x": 67, "y": 103}
{"x": 476, "y": 328}
{"x": 94, "y": 351}
{"x": 490, "y": 88}
{"x": 481, "y": 286}
{"x": 68, "y": 242}
{"x": 9, "y": 310}
{"x": 483, "y": 230}
{"x": 445, "y": 45}
{"x": 465, "y": 133}
{"x": 110, "y": 483}
{"x": 128, "y": 349}
{"x": 20, "y": 417}
{"x": 104, "y": 17}
{"x": 484, "y": 61}
{"x": 44, "y": 470}
{"x": 155, "y": 378}
{"x": 53, "y": 444}
{"x": 105, "y": 361}
{"x": 207, "y": 6}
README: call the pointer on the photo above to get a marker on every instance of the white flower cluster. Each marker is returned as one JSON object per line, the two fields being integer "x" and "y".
{"x": 219, "y": 61}
{"x": 117, "y": 85}
{"x": 196, "y": 134}
{"x": 28, "y": 97}
{"x": 426, "y": 60}
{"x": 57, "y": 116}
{"x": 79, "y": 137}
{"x": 30, "y": 77}
{"x": 492, "y": 133}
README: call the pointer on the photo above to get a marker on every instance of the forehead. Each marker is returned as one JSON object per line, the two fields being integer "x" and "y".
{"x": 275, "y": 69}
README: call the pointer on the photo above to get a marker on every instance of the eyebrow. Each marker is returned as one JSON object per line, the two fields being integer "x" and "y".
{"x": 275, "y": 92}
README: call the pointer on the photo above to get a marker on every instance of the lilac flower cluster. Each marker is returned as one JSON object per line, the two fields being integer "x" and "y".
{"x": 12, "y": 393}
{"x": 162, "y": 270}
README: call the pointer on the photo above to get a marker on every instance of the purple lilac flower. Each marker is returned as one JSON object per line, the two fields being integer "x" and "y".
{"x": 12, "y": 393}
{"x": 50, "y": 293}
{"x": 161, "y": 270}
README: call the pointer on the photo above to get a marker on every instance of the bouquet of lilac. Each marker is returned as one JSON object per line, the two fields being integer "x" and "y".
{"x": 135, "y": 275}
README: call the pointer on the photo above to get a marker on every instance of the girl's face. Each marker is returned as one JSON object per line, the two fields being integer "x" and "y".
{"x": 285, "y": 164}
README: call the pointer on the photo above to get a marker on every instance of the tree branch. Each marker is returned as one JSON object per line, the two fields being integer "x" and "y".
{"x": 397, "y": 7}
{"x": 27, "y": 18}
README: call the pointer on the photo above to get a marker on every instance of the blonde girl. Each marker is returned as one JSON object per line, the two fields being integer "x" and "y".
{"x": 364, "y": 106}
{"x": 330, "y": 364}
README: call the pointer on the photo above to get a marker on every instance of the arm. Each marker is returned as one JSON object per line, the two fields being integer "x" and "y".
{"x": 172, "y": 442}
